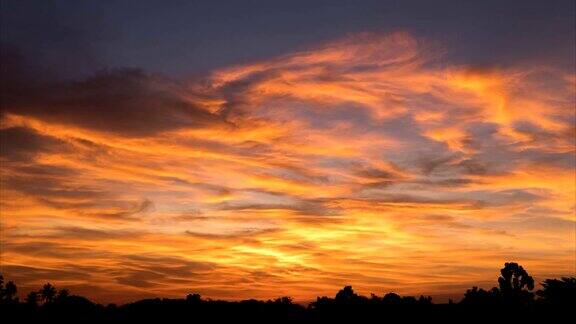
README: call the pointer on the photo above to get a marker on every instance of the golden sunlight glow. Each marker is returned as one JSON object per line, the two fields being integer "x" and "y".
{"x": 362, "y": 161}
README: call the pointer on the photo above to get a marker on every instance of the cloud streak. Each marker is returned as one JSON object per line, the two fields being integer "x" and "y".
{"x": 370, "y": 160}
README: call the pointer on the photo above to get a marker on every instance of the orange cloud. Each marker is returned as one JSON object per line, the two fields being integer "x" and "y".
{"x": 369, "y": 161}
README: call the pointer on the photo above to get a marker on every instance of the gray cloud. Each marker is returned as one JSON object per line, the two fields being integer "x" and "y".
{"x": 25, "y": 273}
{"x": 312, "y": 207}
{"x": 21, "y": 144}
{"x": 240, "y": 234}
{"x": 144, "y": 270}
{"x": 127, "y": 102}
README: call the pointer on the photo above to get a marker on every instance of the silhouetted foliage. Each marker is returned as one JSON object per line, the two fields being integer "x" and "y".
{"x": 8, "y": 292}
{"x": 62, "y": 295}
{"x": 510, "y": 301}
{"x": 32, "y": 298}
{"x": 479, "y": 296}
{"x": 392, "y": 299}
{"x": 347, "y": 296}
{"x": 515, "y": 284}
{"x": 560, "y": 292}
{"x": 193, "y": 298}
{"x": 47, "y": 293}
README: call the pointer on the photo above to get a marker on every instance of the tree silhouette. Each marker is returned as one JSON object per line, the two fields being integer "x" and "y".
{"x": 8, "y": 291}
{"x": 511, "y": 302}
{"x": 347, "y": 296}
{"x": 392, "y": 299}
{"x": 283, "y": 300}
{"x": 558, "y": 292}
{"x": 62, "y": 295}
{"x": 479, "y": 296}
{"x": 425, "y": 300}
{"x": 193, "y": 298}
{"x": 515, "y": 283}
{"x": 514, "y": 278}
{"x": 48, "y": 292}
{"x": 32, "y": 298}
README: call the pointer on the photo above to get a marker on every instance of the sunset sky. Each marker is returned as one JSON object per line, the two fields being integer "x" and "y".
{"x": 257, "y": 149}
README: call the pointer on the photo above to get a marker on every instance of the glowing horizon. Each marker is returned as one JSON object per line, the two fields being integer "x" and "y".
{"x": 371, "y": 161}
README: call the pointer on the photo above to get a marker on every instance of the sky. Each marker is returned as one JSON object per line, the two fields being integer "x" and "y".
{"x": 259, "y": 149}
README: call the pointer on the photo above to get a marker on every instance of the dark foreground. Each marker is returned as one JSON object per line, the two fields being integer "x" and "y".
{"x": 179, "y": 311}
{"x": 512, "y": 301}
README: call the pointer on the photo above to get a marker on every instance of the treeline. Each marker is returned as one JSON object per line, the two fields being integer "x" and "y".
{"x": 514, "y": 299}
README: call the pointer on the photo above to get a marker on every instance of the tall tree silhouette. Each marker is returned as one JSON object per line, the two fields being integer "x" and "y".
{"x": 48, "y": 292}
{"x": 8, "y": 291}
{"x": 515, "y": 283}
{"x": 514, "y": 278}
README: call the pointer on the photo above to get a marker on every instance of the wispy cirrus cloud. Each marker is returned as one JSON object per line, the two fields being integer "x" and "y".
{"x": 371, "y": 160}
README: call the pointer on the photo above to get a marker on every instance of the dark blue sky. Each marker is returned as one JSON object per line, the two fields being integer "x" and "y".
{"x": 191, "y": 37}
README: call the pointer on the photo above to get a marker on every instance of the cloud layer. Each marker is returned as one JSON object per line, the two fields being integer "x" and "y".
{"x": 369, "y": 161}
